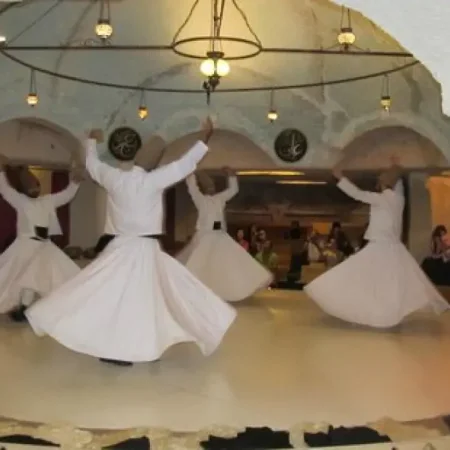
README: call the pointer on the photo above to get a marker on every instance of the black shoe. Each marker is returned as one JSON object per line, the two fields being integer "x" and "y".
{"x": 18, "y": 314}
{"x": 116, "y": 362}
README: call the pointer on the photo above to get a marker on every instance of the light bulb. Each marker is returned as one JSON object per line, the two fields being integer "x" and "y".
{"x": 386, "y": 102}
{"x": 346, "y": 37}
{"x": 143, "y": 112}
{"x": 103, "y": 29}
{"x": 272, "y": 115}
{"x": 208, "y": 67}
{"x": 222, "y": 68}
{"x": 2, "y": 39}
{"x": 32, "y": 99}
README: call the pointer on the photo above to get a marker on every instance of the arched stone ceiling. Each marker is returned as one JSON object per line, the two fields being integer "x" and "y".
{"x": 373, "y": 149}
{"x": 328, "y": 116}
{"x": 227, "y": 148}
{"x": 423, "y": 31}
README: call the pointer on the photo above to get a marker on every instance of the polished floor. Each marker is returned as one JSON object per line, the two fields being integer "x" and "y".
{"x": 282, "y": 363}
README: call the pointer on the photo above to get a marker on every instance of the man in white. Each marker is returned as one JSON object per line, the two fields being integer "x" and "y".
{"x": 134, "y": 301}
{"x": 381, "y": 284}
{"x": 213, "y": 256}
{"x": 33, "y": 266}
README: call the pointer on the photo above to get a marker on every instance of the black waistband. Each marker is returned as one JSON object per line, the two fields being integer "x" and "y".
{"x": 217, "y": 225}
{"x": 107, "y": 238}
{"x": 40, "y": 234}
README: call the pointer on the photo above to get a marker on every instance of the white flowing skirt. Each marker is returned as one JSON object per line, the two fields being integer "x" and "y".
{"x": 131, "y": 304}
{"x": 27, "y": 263}
{"x": 224, "y": 266}
{"x": 378, "y": 286}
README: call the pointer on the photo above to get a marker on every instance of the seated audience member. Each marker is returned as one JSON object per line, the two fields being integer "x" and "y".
{"x": 437, "y": 264}
{"x": 268, "y": 258}
{"x": 240, "y": 239}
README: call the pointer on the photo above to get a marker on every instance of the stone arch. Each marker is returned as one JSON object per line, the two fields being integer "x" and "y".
{"x": 33, "y": 140}
{"x": 227, "y": 148}
{"x": 372, "y": 149}
{"x": 420, "y": 125}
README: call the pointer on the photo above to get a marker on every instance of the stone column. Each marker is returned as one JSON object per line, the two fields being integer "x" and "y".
{"x": 420, "y": 216}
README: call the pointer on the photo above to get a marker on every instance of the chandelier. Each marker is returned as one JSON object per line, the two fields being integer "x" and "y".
{"x": 215, "y": 64}
{"x": 217, "y": 51}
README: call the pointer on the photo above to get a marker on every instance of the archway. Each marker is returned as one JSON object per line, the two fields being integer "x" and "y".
{"x": 227, "y": 148}
{"x": 372, "y": 149}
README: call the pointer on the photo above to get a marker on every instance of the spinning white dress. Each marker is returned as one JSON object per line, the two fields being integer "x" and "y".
{"x": 29, "y": 263}
{"x": 213, "y": 256}
{"x": 381, "y": 284}
{"x": 134, "y": 301}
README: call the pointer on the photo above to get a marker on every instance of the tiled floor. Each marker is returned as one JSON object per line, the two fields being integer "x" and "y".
{"x": 283, "y": 362}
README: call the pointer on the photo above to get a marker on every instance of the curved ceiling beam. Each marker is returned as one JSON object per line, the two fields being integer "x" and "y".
{"x": 200, "y": 91}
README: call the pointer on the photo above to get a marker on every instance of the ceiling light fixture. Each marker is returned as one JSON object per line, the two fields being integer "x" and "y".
{"x": 301, "y": 182}
{"x": 143, "y": 110}
{"x": 346, "y": 37}
{"x": 32, "y": 97}
{"x": 385, "y": 100}
{"x": 103, "y": 28}
{"x": 272, "y": 115}
{"x": 272, "y": 173}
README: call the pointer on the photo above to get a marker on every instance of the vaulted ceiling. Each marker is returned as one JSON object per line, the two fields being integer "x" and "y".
{"x": 329, "y": 116}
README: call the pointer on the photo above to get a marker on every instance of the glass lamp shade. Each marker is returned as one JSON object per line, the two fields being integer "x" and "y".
{"x": 386, "y": 102}
{"x": 103, "y": 29}
{"x": 32, "y": 99}
{"x": 142, "y": 112}
{"x": 208, "y": 67}
{"x": 346, "y": 37}
{"x": 272, "y": 115}
{"x": 222, "y": 68}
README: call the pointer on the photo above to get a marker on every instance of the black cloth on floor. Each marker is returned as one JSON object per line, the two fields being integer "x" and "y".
{"x": 141, "y": 443}
{"x": 437, "y": 270}
{"x": 18, "y": 314}
{"x": 116, "y": 362}
{"x": 251, "y": 438}
{"x": 342, "y": 436}
{"x": 21, "y": 439}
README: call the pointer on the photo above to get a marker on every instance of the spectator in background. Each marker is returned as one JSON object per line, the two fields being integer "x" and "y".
{"x": 240, "y": 239}
{"x": 268, "y": 258}
{"x": 253, "y": 239}
{"x": 299, "y": 251}
{"x": 341, "y": 241}
{"x": 437, "y": 264}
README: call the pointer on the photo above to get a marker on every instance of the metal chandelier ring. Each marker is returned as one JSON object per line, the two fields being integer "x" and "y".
{"x": 254, "y": 50}
{"x": 201, "y": 91}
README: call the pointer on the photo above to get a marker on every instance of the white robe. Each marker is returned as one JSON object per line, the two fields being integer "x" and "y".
{"x": 29, "y": 264}
{"x": 213, "y": 256}
{"x": 134, "y": 301}
{"x": 381, "y": 284}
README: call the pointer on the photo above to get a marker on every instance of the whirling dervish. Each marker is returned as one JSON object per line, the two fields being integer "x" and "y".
{"x": 134, "y": 301}
{"x": 381, "y": 284}
{"x": 33, "y": 266}
{"x": 212, "y": 255}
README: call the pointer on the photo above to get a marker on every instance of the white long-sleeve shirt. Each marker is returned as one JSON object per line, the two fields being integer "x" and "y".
{"x": 386, "y": 210}
{"x": 211, "y": 208}
{"x": 36, "y": 212}
{"x": 135, "y": 197}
